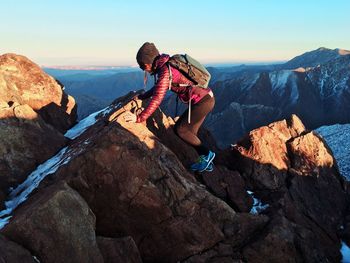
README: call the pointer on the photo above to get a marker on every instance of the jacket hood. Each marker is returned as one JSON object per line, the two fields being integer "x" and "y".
{"x": 159, "y": 62}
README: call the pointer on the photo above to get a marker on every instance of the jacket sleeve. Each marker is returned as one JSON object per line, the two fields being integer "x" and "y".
{"x": 147, "y": 94}
{"x": 159, "y": 91}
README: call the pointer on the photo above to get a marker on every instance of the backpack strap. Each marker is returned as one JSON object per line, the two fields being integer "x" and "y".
{"x": 189, "y": 106}
{"x": 177, "y": 98}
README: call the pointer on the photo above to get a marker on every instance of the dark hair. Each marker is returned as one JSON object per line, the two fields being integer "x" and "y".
{"x": 146, "y": 54}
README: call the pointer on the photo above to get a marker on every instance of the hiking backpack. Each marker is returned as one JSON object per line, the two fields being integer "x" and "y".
{"x": 191, "y": 68}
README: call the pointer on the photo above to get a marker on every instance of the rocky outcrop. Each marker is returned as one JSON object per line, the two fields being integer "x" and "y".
{"x": 293, "y": 170}
{"x": 34, "y": 112}
{"x": 132, "y": 179}
{"x": 135, "y": 186}
{"x": 26, "y": 141}
{"x": 24, "y": 82}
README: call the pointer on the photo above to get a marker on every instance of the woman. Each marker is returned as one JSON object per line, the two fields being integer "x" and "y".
{"x": 201, "y": 101}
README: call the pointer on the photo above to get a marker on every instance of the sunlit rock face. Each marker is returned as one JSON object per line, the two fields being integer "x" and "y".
{"x": 24, "y": 82}
{"x": 34, "y": 114}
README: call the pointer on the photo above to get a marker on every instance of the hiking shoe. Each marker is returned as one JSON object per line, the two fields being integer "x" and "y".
{"x": 210, "y": 168}
{"x": 203, "y": 162}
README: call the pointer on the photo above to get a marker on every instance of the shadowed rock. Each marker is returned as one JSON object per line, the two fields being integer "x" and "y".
{"x": 58, "y": 225}
{"x": 123, "y": 250}
{"x": 12, "y": 252}
{"x": 294, "y": 171}
{"x": 25, "y": 142}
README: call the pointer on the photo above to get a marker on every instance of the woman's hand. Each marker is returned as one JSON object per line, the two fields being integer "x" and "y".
{"x": 129, "y": 117}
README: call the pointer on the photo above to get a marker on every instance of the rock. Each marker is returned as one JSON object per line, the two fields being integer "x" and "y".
{"x": 244, "y": 228}
{"x": 115, "y": 250}
{"x": 276, "y": 245}
{"x": 34, "y": 112}
{"x": 24, "y": 82}
{"x": 238, "y": 232}
{"x": 229, "y": 186}
{"x": 150, "y": 195}
{"x": 137, "y": 187}
{"x": 264, "y": 156}
{"x": 294, "y": 172}
{"x": 12, "y": 252}
{"x": 57, "y": 225}
{"x": 25, "y": 142}
{"x": 315, "y": 184}
{"x": 163, "y": 127}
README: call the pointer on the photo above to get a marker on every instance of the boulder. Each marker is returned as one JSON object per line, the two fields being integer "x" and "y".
{"x": 24, "y": 82}
{"x": 264, "y": 159}
{"x": 57, "y": 224}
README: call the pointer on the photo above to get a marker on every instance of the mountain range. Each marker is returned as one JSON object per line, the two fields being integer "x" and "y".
{"x": 314, "y": 85}
{"x": 319, "y": 93}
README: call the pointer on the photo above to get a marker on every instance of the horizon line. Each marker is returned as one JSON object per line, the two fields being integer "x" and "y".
{"x": 109, "y": 66}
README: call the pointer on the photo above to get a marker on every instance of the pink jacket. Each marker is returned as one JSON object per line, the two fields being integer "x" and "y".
{"x": 186, "y": 93}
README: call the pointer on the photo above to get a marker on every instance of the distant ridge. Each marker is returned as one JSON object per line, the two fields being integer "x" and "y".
{"x": 314, "y": 58}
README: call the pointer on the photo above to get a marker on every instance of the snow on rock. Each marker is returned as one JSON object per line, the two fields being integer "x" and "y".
{"x": 19, "y": 194}
{"x": 82, "y": 125}
{"x": 258, "y": 206}
{"x": 345, "y": 251}
{"x": 294, "y": 95}
{"x": 279, "y": 80}
{"x": 338, "y": 138}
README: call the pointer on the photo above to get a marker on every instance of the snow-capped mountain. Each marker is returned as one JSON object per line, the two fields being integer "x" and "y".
{"x": 315, "y": 57}
{"x": 338, "y": 138}
{"x": 320, "y": 95}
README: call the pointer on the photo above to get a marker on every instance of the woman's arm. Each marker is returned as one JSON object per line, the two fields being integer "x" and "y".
{"x": 158, "y": 93}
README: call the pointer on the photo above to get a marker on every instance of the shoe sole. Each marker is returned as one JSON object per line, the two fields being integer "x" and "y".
{"x": 209, "y": 162}
{"x": 209, "y": 170}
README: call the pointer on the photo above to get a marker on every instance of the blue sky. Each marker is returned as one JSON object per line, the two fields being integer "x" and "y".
{"x": 108, "y": 32}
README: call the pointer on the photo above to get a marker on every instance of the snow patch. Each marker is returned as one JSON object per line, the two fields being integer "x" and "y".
{"x": 279, "y": 80}
{"x": 20, "y": 194}
{"x": 258, "y": 206}
{"x": 338, "y": 139}
{"x": 294, "y": 94}
{"x": 249, "y": 82}
{"x": 4, "y": 221}
{"x": 345, "y": 251}
{"x": 85, "y": 123}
